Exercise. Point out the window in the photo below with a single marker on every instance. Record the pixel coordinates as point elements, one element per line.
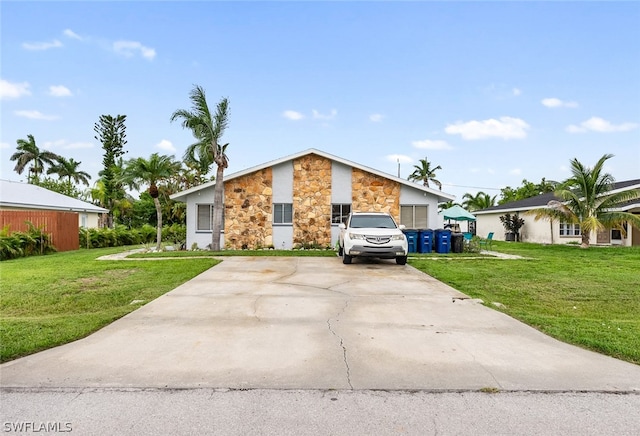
<point>83,220</point>
<point>283,213</point>
<point>569,229</point>
<point>205,217</point>
<point>339,213</point>
<point>414,216</point>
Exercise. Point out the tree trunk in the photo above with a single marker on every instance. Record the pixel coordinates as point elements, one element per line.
<point>585,240</point>
<point>218,208</point>
<point>156,202</point>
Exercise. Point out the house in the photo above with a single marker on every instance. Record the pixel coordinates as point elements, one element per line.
<point>554,232</point>
<point>60,215</point>
<point>301,199</point>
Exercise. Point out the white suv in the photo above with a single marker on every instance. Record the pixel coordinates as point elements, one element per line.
<point>372,234</point>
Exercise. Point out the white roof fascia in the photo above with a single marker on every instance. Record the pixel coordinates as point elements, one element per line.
<point>180,195</point>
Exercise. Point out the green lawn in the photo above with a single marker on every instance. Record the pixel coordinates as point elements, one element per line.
<point>51,300</point>
<point>589,298</point>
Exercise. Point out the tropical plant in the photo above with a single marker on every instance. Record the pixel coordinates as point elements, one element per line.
<point>425,173</point>
<point>208,128</point>
<point>111,132</point>
<point>29,153</point>
<point>151,172</point>
<point>512,224</point>
<point>586,199</point>
<point>527,190</point>
<point>68,168</point>
<point>479,201</point>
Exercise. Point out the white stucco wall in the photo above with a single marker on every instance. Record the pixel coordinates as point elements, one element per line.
<point>283,193</point>
<point>202,238</point>
<point>415,197</point>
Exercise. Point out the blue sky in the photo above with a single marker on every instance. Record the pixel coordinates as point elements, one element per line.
<point>492,92</point>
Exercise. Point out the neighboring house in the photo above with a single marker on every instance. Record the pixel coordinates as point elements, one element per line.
<point>553,232</point>
<point>59,214</point>
<point>301,199</point>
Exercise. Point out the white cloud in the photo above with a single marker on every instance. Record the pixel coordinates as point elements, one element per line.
<point>597,124</point>
<point>10,90</point>
<point>59,91</point>
<point>130,48</point>
<point>35,115</point>
<point>556,102</point>
<point>71,34</point>
<point>428,144</point>
<point>398,157</point>
<point>515,172</point>
<point>292,115</point>
<point>41,45</point>
<point>516,92</point>
<point>166,145</point>
<point>505,128</point>
<point>376,118</point>
<point>4,145</point>
<point>66,145</point>
<point>318,116</point>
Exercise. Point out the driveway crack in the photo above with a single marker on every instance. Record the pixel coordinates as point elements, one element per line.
<point>342,344</point>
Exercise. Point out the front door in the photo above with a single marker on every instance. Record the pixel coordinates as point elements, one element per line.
<point>604,237</point>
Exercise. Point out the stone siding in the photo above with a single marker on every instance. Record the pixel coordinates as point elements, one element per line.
<point>372,193</point>
<point>249,211</point>
<point>312,200</point>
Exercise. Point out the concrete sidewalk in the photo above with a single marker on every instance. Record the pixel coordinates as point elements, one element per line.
<point>314,323</point>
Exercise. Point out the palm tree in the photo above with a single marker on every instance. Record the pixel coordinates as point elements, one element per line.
<point>69,169</point>
<point>479,201</point>
<point>208,128</point>
<point>587,200</point>
<point>150,172</point>
<point>29,153</point>
<point>425,174</point>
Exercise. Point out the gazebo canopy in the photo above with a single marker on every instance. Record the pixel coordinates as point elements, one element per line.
<point>457,213</point>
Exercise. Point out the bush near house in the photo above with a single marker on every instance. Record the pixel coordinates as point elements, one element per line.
<point>21,244</point>
<point>120,235</point>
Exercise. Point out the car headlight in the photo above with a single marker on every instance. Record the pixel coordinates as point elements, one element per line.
<point>355,236</point>
<point>397,237</point>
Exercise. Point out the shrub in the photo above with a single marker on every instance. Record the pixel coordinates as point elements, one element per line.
<point>21,244</point>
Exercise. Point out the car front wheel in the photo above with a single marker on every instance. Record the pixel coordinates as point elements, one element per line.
<point>346,259</point>
<point>401,260</point>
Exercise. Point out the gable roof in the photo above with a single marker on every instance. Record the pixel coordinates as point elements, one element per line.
<point>28,196</point>
<point>181,196</point>
<point>542,200</point>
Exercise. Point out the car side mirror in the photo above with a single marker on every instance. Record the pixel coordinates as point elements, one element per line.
<point>342,226</point>
<point>402,227</point>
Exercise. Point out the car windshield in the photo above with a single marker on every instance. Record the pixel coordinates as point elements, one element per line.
<point>372,221</point>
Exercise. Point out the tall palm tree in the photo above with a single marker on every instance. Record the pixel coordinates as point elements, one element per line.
<point>479,201</point>
<point>29,153</point>
<point>425,174</point>
<point>587,200</point>
<point>69,169</point>
<point>208,128</point>
<point>150,172</point>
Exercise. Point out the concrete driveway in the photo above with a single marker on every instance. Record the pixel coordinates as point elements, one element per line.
<point>314,323</point>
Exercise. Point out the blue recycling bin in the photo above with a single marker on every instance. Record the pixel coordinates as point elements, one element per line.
<point>412,239</point>
<point>443,241</point>
<point>425,239</point>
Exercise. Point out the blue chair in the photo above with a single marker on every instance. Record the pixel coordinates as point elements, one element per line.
<point>486,243</point>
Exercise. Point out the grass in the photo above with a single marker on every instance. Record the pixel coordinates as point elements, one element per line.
<point>50,300</point>
<point>590,298</point>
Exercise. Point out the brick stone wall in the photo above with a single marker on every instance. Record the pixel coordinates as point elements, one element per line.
<point>372,193</point>
<point>312,200</point>
<point>249,211</point>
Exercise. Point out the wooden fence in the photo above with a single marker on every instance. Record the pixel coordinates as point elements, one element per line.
<point>63,227</point>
